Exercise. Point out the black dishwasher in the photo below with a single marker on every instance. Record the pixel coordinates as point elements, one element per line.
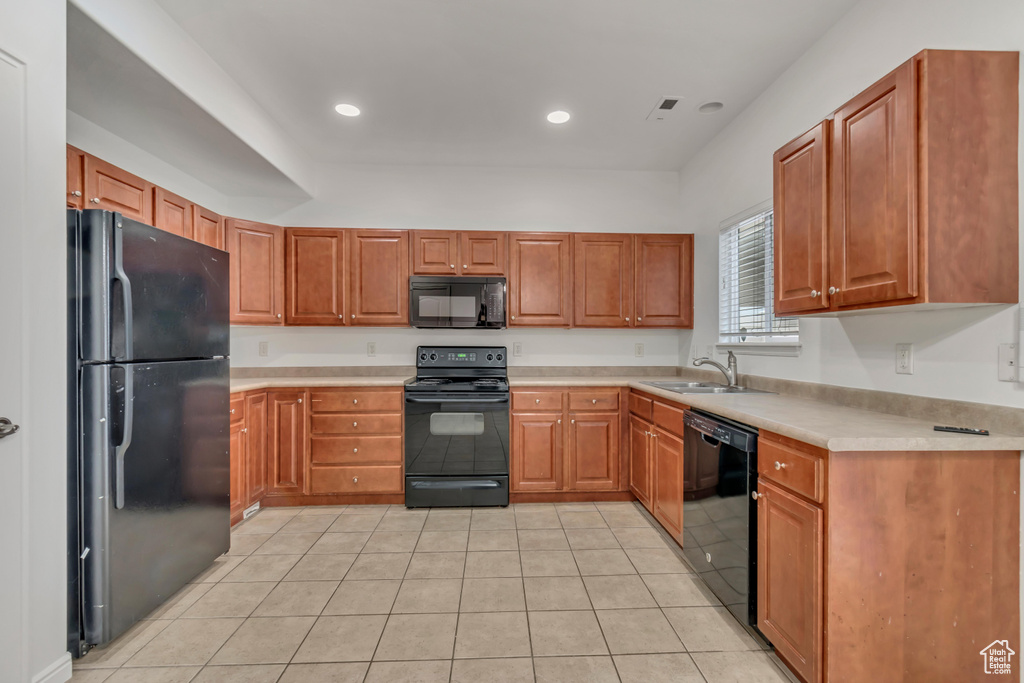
<point>720,527</point>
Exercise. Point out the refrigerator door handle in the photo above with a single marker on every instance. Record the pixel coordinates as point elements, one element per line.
<point>126,437</point>
<point>126,287</point>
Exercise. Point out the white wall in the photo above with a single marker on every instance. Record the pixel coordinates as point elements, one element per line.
<point>955,350</point>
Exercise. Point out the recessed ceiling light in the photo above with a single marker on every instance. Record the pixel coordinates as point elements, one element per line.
<point>558,116</point>
<point>710,107</point>
<point>347,110</point>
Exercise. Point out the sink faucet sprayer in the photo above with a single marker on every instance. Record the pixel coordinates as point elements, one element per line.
<point>730,372</point>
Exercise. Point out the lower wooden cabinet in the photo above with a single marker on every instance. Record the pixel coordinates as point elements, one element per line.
<point>237,449</point>
<point>256,446</point>
<point>667,487</point>
<point>286,454</point>
<point>568,440</point>
<point>790,586</point>
<point>640,459</point>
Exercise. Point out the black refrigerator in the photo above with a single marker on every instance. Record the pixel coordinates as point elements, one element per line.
<point>148,393</point>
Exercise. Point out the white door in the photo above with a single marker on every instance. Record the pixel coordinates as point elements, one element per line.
<point>12,451</point>
<point>33,343</point>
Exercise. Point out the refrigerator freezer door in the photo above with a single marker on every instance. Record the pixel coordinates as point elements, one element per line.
<point>155,493</point>
<point>147,295</point>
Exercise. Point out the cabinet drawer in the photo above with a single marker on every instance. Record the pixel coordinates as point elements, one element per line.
<point>669,418</point>
<point>536,400</point>
<point>641,406</point>
<point>356,400</point>
<point>795,470</point>
<point>388,423</point>
<point>605,399</point>
<point>356,479</point>
<point>376,450</point>
<point>237,408</point>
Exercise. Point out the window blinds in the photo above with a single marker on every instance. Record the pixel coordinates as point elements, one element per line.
<point>746,289</point>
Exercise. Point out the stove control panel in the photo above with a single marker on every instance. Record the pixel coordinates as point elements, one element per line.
<point>459,356</point>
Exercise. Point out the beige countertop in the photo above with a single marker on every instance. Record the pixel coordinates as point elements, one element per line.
<point>835,427</point>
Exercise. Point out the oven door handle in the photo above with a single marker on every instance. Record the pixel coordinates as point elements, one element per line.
<point>462,484</point>
<point>462,399</point>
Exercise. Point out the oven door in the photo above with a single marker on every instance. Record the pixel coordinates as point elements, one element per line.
<point>456,435</point>
<point>456,302</point>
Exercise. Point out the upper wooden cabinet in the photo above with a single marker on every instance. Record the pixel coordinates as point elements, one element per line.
<point>921,178</point>
<point>207,227</point>
<point>111,188</point>
<point>603,270</point>
<point>379,277</point>
<point>172,213</point>
<point>257,272</point>
<point>801,221</point>
<point>663,281</point>
<point>441,252</point>
<point>483,253</point>
<point>76,178</point>
<point>316,264</point>
<point>540,279</point>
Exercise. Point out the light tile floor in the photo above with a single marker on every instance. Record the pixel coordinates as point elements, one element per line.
<point>547,592</point>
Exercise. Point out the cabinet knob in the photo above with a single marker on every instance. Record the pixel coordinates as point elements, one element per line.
<point>355,400</point>
<point>355,424</point>
<point>833,290</point>
<point>355,450</point>
<point>279,316</point>
<point>638,318</point>
<point>232,411</point>
<point>814,293</point>
<point>464,265</point>
<point>355,480</point>
<point>245,430</point>
<point>353,316</point>
<point>513,317</point>
<point>538,400</point>
<point>76,193</point>
<point>559,422</point>
<point>452,265</point>
<point>780,465</point>
<point>572,421</point>
<point>95,200</point>
<point>341,316</point>
<point>755,495</point>
<point>300,400</point>
<point>593,400</point>
<point>627,319</point>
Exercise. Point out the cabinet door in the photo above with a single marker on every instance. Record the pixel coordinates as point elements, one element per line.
<point>594,451</point>
<point>873,221</point>
<point>256,447</point>
<point>434,252</point>
<point>603,282</point>
<point>537,452</point>
<point>640,459</point>
<point>540,281</point>
<point>257,272</point>
<point>667,491</point>
<point>315,262</point>
<point>207,227</point>
<point>483,253</point>
<point>108,187</point>
<point>801,223</point>
<point>286,449</point>
<point>663,277</point>
<point>76,179</point>
<point>379,277</point>
<point>172,213</point>
<point>237,442</point>
<point>789,578</point>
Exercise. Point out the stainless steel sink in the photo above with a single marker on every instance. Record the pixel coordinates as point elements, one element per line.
<point>703,388</point>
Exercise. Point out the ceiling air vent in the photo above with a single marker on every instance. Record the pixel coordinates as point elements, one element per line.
<point>663,109</point>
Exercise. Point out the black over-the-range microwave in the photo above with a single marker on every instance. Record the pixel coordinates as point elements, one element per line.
<point>445,302</point>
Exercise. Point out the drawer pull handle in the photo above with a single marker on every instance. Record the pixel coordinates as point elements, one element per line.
<point>593,400</point>
<point>780,465</point>
<point>355,480</point>
<point>355,450</point>
<point>355,400</point>
<point>355,424</point>
<point>538,400</point>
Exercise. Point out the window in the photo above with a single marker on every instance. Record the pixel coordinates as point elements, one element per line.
<point>746,296</point>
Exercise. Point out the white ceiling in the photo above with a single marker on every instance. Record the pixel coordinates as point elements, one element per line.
<point>469,82</point>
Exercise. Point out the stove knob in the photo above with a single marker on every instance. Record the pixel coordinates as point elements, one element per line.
<point>500,357</point>
<point>423,356</point>
<point>433,356</point>
<point>490,356</point>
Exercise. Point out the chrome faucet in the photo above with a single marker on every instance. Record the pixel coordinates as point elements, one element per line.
<point>730,372</point>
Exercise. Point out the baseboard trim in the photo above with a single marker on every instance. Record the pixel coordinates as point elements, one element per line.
<point>58,672</point>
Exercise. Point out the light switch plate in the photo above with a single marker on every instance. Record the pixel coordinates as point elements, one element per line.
<point>904,359</point>
<point>1008,363</point>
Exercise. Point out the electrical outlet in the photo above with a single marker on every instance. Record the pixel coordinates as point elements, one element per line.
<point>904,359</point>
<point>709,351</point>
<point>371,349</point>
<point>517,348</point>
<point>264,349</point>
<point>638,350</point>
<point>1008,363</point>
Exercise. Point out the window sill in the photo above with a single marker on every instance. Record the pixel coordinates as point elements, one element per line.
<point>791,349</point>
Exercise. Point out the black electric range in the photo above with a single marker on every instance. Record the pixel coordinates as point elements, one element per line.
<point>457,428</point>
